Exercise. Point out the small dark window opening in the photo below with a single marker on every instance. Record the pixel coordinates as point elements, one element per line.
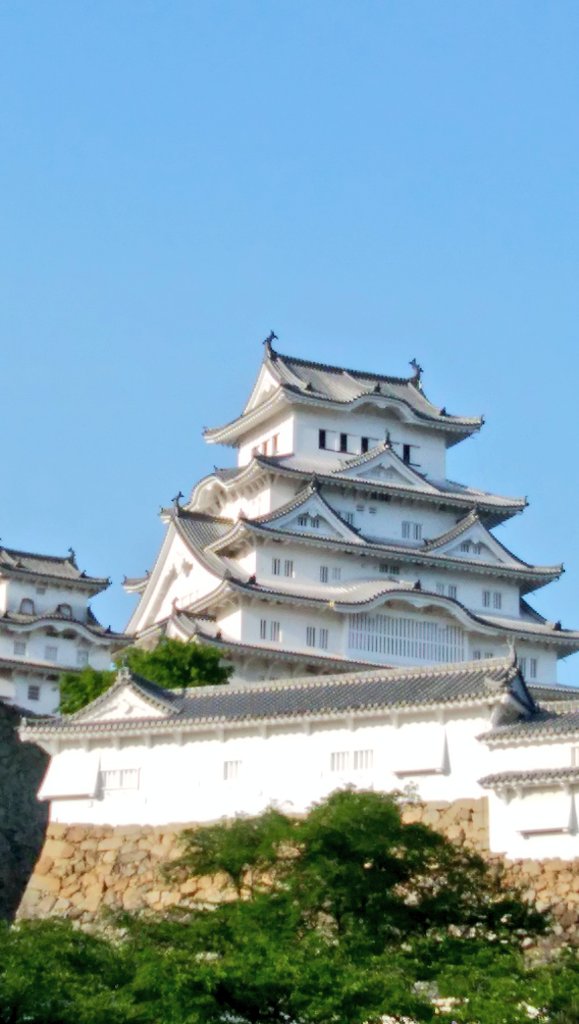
<point>406,451</point>
<point>364,445</point>
<point>343,442</point>
<point>322,438</point>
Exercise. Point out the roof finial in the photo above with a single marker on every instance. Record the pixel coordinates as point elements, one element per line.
<point>388,440</point>
<point>72,555</point>
<point>417,371</point>
<point>269,342</point>
<point>177,499</point>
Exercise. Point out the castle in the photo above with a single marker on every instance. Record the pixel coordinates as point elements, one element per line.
<point>380,633</point>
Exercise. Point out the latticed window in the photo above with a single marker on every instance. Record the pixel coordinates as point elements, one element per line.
<point>311,636</point>
<point>323,639</point>
<point>288,567</point>
<point>323,574</point>
<point>405,637</point>
<point>231,770</point>
<point>276,566</point>
<point>119,778</point>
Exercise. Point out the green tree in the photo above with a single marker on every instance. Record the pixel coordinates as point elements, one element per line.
<point>171,664</point>
<point>345,916</point>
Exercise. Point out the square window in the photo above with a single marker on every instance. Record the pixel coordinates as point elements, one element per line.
<point>50,652</point>
<point>231,770</point>
<point>19,647</point>
<point>33,692</point>
<point>302,520</point>
<point>339,761</point>
<point>363,760</point>
<point>82,658</point>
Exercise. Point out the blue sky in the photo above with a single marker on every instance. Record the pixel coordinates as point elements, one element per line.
<point>375,181</point>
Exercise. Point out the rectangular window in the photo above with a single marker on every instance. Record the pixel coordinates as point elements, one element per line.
<point>360,508</point>
<point>523,667</point>
<point>323,574</point>
<point>497,599</point>
<point>302,520</point>
<point>476,655</point>
<point>311,636</point>
<point>231,770</point>
<point>288,567</point>
<point>440,588</point>
<point>391,570</point>
<point>274,632</point>
<point>339,761</point>
<point>363,760</point>
<point>321,439</point>
<point>323,639</point>
<point>465,546</point>
<point>486,598</point>
<point>19,647</point>
<point>348,518</point>
<point>33,692</point>
<point>406,453</point>
<point>411,530</point>
<point>315,522</point>
<point>343,442</point>
<point>533,668</point>
<point>452,590</point>
<point>263,629</point>
<point>364,445</point>
<point>82,658</point>
<point>41,590</point>
<point>119,778</point>
<point>372,510</point>
<point>274,444</point>
<point>489,654</point>
<point>276,566</point>
<point>336,574</point>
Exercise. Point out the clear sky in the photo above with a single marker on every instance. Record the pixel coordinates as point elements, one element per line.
<point>373,180</point>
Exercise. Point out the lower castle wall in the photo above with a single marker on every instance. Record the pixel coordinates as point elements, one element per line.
<point>84,869</point>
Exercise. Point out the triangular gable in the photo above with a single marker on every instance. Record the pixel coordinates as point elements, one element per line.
<point>127,698</point>
<point>263,388</point>
<point>383,465</point>
<point>313,516</point>
<point>476,542</point>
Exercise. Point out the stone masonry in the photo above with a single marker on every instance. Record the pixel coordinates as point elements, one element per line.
<point>84,869</point>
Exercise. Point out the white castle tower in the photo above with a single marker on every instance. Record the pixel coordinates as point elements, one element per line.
<point>338,541</point>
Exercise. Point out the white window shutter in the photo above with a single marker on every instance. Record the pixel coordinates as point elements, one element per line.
<point>71,775</point>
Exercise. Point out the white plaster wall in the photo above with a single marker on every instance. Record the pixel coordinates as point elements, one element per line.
<point>262,436</point>
<point>46,597</point>
<point>429,455</point>
<point>536,805</point>
<point>385,522</point>
<point>261,502</point>
<point>290,766</point>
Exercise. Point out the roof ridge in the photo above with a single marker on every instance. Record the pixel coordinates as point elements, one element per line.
<point>338,369</point>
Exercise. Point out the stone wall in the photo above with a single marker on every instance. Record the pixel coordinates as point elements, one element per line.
<point>84,869</point>
<point>23,818</point>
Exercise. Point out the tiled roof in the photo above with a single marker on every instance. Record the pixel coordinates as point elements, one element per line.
<point>434,490</point>
<point>307,382</point>
<point>530,778</point>
<point>91,625</point>
<point>548,722</point>
<point>339,384</point>
<point>554,693</point>
<point>13,562</point>
<point>470,683</point>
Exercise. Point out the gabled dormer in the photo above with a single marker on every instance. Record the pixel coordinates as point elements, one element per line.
<point>310,514</point>
<point>382,465</point>
<point>471,540</point>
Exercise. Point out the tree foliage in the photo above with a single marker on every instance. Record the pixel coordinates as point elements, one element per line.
<point>345,916</point>
<point>171,664</point>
